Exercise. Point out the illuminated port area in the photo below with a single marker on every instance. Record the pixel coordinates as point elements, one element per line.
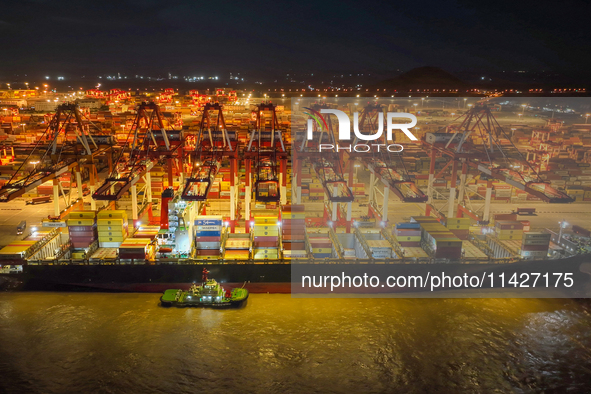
<point>114,178</point>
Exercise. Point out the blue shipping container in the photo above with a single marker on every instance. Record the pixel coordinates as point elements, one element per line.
<point>408,225</point>
<point>208,233</point>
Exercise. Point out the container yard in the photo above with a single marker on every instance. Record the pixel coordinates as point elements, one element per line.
<point>186,178</point>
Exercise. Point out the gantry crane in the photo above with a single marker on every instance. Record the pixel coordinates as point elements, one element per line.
<point>147,140</point>
<point>496,158</point>
<point>55,153</point>
<point>328,165</point>
<point>213,144</point>
<point>385,166</point>
<point>266,149</point>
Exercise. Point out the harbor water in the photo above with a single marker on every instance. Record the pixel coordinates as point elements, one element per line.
<point>127,343</point>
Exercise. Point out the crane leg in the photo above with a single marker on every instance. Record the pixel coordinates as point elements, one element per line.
<point>385,205</point>
<point>486,214</point>
<point>149,186</point>
<point>79,184</point>
<point>349,215</point>
<point>56,198</point>
<point>92,170</point>
<point>452,190</point>
<point>134,214</point>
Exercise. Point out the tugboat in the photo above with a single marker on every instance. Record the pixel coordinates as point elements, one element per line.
<point>209,294</point>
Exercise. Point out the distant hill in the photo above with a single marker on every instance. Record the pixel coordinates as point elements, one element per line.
<point>423,78</point>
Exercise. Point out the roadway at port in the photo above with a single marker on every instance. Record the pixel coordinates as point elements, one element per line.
<point>12,213</point>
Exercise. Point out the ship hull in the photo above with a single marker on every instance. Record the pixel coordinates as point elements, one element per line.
<point>256,278</point>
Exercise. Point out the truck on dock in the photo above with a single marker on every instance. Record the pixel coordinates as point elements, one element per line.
<point>38,200</point>
<point>21,227</point>
<point>525,211</point>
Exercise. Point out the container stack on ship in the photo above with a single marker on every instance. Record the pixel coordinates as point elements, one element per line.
<point>208,235</point>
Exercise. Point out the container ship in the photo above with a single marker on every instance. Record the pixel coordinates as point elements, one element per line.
<point>261,260</point>
<point>149,192</point>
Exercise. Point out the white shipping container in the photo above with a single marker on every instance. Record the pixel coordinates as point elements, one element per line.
<point>207,245</point>
<point>109,244</point>
<point>209,228</point>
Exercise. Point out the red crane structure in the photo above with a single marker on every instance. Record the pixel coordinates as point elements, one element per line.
<point>266,149</point>
<point>65,145</point>
<point>147,141</point>
<point>213,144</point>
<point>496,158</point>
<point>386,167</point>
<point>327,164</point>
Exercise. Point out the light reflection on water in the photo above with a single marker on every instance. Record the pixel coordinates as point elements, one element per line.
<point>71,342</point>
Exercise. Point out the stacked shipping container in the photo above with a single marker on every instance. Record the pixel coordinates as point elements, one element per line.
<point>137,249</point>
<point>438,238</point>
<point>508,229</point>
<point>82,227</point>
<point>293,229</point>
<point>265,235</point>
<point>112,228</point>
<point>408,234</point>
<point>320,245</point>
<point>237,247</point>
<point>535,245</point>
<point>460,227</point>
<point>208,234</point>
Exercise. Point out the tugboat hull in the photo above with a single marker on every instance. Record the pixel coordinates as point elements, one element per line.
<point>217,305</point>
<point>209,295</point>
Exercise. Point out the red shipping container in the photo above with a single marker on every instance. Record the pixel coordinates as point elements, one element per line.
<point>509,225</point>
<point>294,246</point>
<point>207,252</point>
<point>208,239</point>
<point>530,248</point>
<point>77,229</point>
<point>80,244</point>
<point>294,222</point>
<point>294,230</point>
<point>410,244</point>
<point>293,208</point>
<point>267,238</point>
<point>461,234</point>
<point>293,237</point>
<point>269,244</point>
<point>82,234</point>
<point>448,253</point>
<point>85,238</point>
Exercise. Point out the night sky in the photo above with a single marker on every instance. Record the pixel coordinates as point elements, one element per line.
<point>150,37</point>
